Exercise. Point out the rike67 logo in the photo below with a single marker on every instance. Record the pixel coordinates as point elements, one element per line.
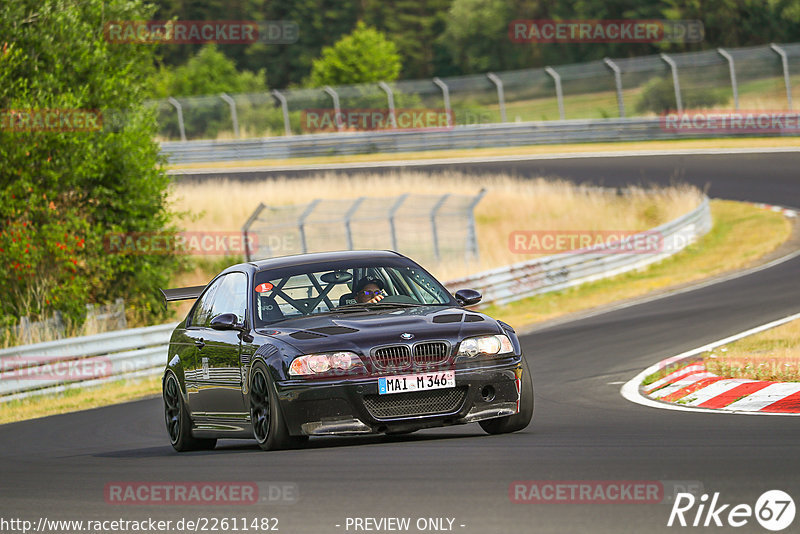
<point>774,510</point>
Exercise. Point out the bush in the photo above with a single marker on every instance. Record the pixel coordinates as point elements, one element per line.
<point>62,192</point>
<point>658,96</point>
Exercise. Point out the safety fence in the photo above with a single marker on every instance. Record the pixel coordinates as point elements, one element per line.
<point>430,228</point>
<point>757,77</point>
<point>86,361</point>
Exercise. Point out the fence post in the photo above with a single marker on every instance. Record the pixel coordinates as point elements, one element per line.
<point>337,111</point>
<point>675,82</point>
<point>559,93</point>
<point>234,117</point>
<point>786,80</point>
<point>618,82</point>
<point>122,321</point>
<point>501,97</point>
<point>285,108</point>
<point>434,213</point>
<point>179,108</point>
<point>732,69</point>
<point>392,213</point>
<point>446,97</point>
<point>246,229</point>
<point>472,235</point>
<point>301,223</point>
<point>390,100</point>
<point>347,217</point>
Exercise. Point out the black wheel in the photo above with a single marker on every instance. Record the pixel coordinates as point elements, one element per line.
<point>518,421</point>
<point>269,427</point>
<point>179,425</point>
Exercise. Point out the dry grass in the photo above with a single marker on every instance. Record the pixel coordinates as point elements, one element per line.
<point>741,235</point>
<point>678,144</point>
<point>770,355</point>
<point>74,400</point>
<point>510,204</point>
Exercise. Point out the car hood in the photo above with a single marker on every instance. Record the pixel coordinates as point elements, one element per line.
<point>363,330</point>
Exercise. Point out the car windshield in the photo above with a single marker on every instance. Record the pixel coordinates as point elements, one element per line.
<point>316,289</point>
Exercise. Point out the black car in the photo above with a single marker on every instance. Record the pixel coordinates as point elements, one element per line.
<point>353,342</point>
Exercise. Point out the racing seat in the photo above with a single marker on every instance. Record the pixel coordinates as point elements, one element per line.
<point>268,309</point>
<point>347,298</point>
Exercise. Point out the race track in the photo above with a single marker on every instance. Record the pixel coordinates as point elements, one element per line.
<point>583,429</point>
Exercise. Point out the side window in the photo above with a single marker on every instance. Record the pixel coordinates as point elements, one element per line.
<point>231,296</point>
<point>202,314</point>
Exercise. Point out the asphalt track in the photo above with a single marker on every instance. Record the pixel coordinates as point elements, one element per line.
<point>57,467</point>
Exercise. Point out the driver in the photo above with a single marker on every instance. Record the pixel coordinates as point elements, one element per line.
<point>369,291</point>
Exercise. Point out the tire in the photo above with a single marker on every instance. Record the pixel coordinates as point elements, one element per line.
<point>518,421</point>
<point>179,424</point>
<point>269,425</point>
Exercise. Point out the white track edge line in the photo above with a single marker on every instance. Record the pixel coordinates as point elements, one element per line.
<point>630,390</point>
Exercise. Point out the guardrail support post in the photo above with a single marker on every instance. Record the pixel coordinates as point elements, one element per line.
<point>347,217</point>
<point>732,69</point>
<point>179,108</point>
<point>501,98</point>
<point>446,97</point>
<point>434,212</point>
<point>234,117</point>
<point>337,111</point>
<point>246,230</point>
<point>786,80</point>
<point>287,128</point>
<point>559,93</point>
<point>392,213</point>
<point>676,84</point>
<point>618,82</point>
<point>301,223</point>
<point>390,101</point>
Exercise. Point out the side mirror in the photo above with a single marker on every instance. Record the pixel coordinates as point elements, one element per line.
<point>225,321</point>
<point>468,297</point>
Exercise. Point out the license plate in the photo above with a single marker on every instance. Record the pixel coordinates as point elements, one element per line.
<point>421,382</point>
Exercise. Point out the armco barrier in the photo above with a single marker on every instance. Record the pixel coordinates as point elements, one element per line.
<point>81,361</point>
<point>34,369</point>
<point>557,272</point>
<point>463,137</point>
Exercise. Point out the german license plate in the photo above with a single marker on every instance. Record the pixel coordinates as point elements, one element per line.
<point>420,382</point>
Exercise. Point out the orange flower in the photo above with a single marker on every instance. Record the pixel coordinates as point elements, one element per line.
<point>52,206</point>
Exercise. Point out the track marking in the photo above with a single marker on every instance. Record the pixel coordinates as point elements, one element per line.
<point>630,390</point>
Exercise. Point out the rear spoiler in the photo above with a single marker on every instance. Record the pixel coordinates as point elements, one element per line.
<point>181,293</point>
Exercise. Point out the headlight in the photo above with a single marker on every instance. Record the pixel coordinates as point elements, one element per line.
<point>327,362</point>
<point>485,346</point>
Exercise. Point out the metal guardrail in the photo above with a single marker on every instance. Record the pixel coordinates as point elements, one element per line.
<point>54,366</point>
<point>85,361</point>
<point>561,271</point>
<point>459,137</point>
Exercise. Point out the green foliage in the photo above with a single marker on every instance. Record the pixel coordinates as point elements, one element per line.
<point>364,56</point>
<point>658,96</point>
<point>210,72</point>
<point>62,192</point>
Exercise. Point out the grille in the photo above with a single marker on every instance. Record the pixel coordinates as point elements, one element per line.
<point>430,353</point>
<point>394,357</point>
<point>415,403</point>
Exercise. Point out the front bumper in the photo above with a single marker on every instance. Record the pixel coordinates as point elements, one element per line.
<point>353,406</point>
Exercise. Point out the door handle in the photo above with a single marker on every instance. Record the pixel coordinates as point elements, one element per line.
<point>200,343</point>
